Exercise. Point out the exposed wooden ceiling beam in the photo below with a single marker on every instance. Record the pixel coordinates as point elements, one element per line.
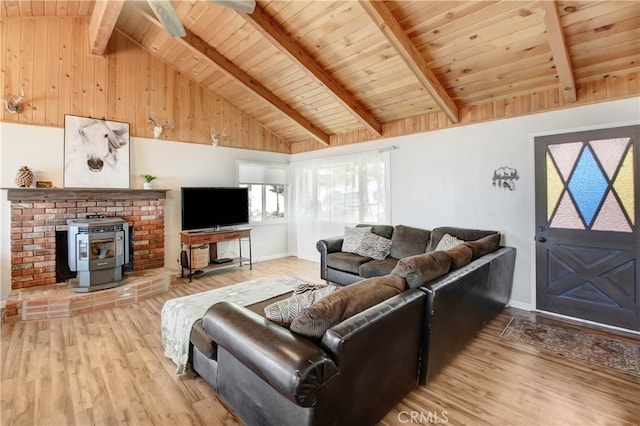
<point>273,32</point>
<point>392,30</point>
<point>196,44</point>
<point>103,20</point>
<point>248,82</point>
<point>559,50</point>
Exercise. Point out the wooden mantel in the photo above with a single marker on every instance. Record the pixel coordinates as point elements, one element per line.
<point>34,194</point>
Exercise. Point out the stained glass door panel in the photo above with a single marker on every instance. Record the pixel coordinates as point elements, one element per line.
<point>587,240</point>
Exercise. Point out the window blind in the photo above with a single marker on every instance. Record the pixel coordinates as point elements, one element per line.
<point>263,173</point>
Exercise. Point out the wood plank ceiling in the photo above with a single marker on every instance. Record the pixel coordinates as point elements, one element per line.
<point>309,70</point>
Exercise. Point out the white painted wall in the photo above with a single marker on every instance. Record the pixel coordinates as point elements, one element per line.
<point>437,178</point>
<point>176,164</point>
<point>443,178</point>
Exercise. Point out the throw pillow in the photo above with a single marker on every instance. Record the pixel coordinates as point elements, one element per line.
<point>460,255</point>
<point>422,268</point>
<point>464,234</point>
<point>344,303</point>
<point>448,242</point>
<point>284,311</point>
<point>374,246</point>
<point>485,245</point>
<point>353,238</point>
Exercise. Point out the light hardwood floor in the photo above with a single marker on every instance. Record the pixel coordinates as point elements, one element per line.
<point>108,368</point>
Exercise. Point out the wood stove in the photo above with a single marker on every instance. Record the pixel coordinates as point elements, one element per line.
<point>98,248</point>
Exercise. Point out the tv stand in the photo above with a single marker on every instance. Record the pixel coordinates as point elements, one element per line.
<point>189,239</point>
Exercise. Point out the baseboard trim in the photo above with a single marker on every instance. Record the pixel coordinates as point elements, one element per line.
<point>272,257</point>
<point>520,305</point>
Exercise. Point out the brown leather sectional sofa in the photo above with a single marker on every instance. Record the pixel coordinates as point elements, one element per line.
<point>362,366</point>
<point>359,370</point>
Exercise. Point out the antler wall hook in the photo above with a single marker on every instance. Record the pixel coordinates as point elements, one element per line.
<point>12,103</point>
<point>157,127</point>
<point>505,177</point>
<point>216,137</point>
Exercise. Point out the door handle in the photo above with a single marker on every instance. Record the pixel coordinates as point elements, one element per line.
<point>542,239</point>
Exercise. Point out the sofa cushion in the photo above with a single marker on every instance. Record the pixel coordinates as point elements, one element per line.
<point>448,242</point>
<point>374,246</point>
<point>484,245</point>
<point>344,303</point>
<point>463,234</point>
<point>353,237</point>
<point>422,268</point>
<point>348,262</point>
<point>258,307</point>
<point>284,311</point>
<point>460,255</point>
<point>409,241</point>
<point>385,231</point>
<point>377,268</point>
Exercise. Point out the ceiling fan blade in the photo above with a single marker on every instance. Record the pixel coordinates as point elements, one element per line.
<point>244,6</point>
<point>167,15</point>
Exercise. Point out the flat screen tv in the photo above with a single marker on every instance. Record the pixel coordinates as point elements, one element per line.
<point>213,207</point>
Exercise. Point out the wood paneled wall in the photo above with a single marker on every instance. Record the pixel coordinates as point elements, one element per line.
<point>609,88</point>
<point>49,57</point>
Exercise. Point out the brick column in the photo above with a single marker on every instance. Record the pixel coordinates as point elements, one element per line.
<point>147,220</point>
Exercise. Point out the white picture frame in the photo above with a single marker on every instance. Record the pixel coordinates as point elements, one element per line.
<point>96,153</point>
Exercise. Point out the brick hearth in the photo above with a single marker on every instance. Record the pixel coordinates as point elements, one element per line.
<point>36,215</point>
<point>58,301</point>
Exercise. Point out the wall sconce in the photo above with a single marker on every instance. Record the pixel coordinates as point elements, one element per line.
<point>505,177</point>
<point>216,137</point>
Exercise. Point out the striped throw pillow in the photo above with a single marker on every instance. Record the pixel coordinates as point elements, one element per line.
<point>284,311</point>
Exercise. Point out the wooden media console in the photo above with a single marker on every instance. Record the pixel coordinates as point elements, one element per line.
<point>191,239</point>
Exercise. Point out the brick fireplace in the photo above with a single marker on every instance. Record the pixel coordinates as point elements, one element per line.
<point>36,215</point>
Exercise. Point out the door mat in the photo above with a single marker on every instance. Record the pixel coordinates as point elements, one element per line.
<point>623,357</point>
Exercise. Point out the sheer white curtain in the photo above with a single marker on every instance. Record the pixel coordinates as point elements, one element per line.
<point>332,192</point>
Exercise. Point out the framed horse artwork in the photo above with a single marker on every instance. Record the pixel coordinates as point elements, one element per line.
<point>96,153</point>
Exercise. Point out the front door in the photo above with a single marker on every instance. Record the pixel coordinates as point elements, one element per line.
<point>587,233</point>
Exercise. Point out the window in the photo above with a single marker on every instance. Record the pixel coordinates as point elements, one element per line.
<point>266,202</point>
<point>349,189</point>
<point>267,185</point>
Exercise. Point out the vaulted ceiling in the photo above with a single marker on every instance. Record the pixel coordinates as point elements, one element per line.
<point>312,70</point>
